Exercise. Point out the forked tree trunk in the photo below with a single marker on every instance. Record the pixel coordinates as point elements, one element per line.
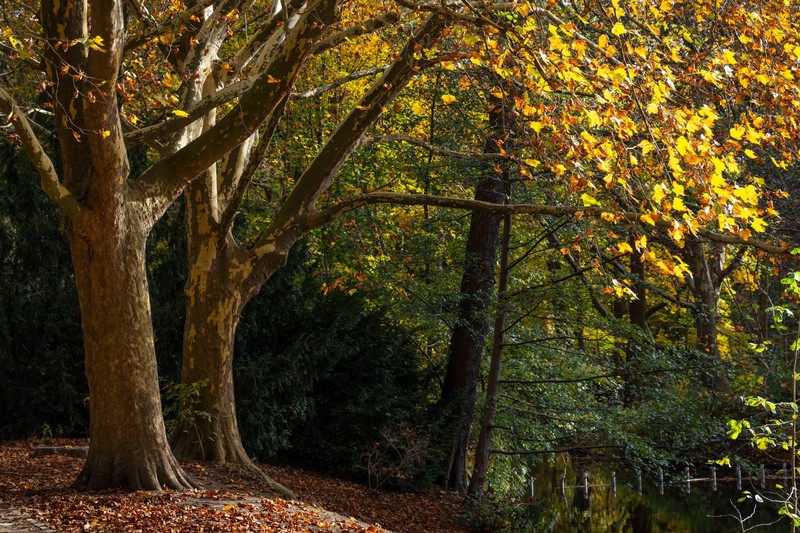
<point>128,441</point>
<point>484,447</point>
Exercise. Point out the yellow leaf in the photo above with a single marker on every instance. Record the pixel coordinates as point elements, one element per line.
<point>624,248</point>
<point>536,126</point>
<point>180,113</point>
<point>641,242</point>
<point>588,200</point>
<point>678,205</point>
<point>682,145</point>
<point>448,99</point>
<point>96,43</point>
<point>749,153</point>
<point>646,147</point>
<point>658,193</point>
<point>105,133</point>
<point>593,118</point>
<point>758,224</point>
<point>271,79</point>
<point>418,108</point>
<point>618,29</point>
<point>602,41</point>
<point>737,132</point>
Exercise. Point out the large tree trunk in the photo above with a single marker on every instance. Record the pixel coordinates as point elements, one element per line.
<point>208,430</point>
<point>217,290</point>
<point>128,446</point>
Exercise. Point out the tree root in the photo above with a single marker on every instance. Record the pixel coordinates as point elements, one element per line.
<point>251,470</point>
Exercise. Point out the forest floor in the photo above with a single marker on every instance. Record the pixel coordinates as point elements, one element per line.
<point>35,495</point>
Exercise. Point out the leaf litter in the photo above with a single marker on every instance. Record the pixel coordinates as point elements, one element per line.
<point>39,488</point>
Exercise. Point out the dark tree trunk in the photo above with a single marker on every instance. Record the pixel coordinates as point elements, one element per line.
<point>460,387</point>
<point>708,274</point>
<point>483,450</point>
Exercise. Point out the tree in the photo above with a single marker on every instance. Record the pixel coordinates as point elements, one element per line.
<point>107,216</point>
<point>207,81</point>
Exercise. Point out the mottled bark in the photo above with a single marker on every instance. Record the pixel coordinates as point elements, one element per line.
<point>128,443</point>
<point>217,290</point>
<point>224,277</point>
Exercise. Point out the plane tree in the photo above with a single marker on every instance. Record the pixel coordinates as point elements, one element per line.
<point>205,86</point>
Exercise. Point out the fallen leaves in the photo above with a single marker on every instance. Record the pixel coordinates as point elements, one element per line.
<point>40,488</point>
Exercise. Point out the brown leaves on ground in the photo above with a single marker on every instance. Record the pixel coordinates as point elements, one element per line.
<point>40,488</point>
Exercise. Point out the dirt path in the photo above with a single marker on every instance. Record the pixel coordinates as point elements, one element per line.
<point>12,520</point>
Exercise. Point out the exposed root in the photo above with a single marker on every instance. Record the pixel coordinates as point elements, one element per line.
<point>250,469</point>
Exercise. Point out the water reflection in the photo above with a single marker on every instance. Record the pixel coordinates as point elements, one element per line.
<point>702,511</point>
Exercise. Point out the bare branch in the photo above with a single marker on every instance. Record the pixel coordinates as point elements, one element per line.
<point>323,217</point>
<point>311,93</point>
<point>436,150</point>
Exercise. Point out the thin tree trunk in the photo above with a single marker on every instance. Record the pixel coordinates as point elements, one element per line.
<point>707,276</point>
<point>460,387</point>
<point>478,480</point>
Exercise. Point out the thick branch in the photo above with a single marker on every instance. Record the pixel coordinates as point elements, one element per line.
<point>165,179</point>
<point>356,30</point>
<point>320,172</point>
<point>197,111</point>
<point>49,177</point>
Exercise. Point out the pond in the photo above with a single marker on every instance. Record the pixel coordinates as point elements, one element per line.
<point>702,511</point>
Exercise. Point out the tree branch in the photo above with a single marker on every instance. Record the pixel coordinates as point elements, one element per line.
<point>329,214</point>
<point>436,150</point>
<point>49,177</point>
<point>197,111</point>
<point>311,93</point>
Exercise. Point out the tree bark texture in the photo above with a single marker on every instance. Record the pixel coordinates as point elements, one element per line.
<point>214,300</point>
<point>707,266</point>
<point>107,222</point>
<point>128,446</point>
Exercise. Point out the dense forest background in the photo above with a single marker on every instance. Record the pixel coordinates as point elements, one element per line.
<point>596,333</point>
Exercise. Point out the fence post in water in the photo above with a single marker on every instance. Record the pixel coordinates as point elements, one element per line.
<point>688,479</point>
<point>763,480</point>
<point>531,494</point>
<point>614,484</point>
<point>586,485</point>
<point>714,478</point>
<point>660,482</point>
<point>738,477</point>
<point>639,481</point>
